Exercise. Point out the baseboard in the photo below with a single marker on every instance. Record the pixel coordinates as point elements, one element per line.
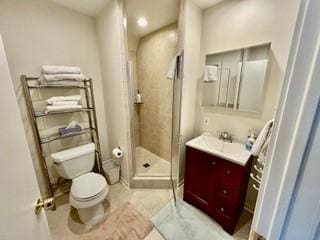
<point>249,208</point>
<point>124,183</point>
<point>255,236</point>
<point>181,184</point>
<point>150,183</point>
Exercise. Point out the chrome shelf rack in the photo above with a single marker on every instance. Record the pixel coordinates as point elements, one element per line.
<point>90,109</point>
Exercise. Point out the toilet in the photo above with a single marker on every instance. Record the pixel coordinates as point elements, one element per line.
<point>88,189</point>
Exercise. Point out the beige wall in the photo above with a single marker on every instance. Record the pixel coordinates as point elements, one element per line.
<point>132,55</point>
<point>234,24</point>
<point>192,42</point>
<point>113,66</point>
<point>37,32</point>
<point>154,56</point>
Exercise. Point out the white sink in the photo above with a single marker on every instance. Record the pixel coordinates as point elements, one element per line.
<point>233,152</point>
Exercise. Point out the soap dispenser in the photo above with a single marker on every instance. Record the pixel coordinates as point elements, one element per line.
<point>251,139</point>
<point>138,97</point>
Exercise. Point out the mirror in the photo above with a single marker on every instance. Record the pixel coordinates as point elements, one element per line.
<point>236,79</point>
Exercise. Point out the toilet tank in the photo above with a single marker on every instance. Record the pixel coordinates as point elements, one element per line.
<point>74,162</point>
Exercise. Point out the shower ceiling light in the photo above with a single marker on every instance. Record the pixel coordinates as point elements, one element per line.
<point>142,22</point>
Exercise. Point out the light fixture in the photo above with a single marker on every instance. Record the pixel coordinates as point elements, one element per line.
<point>142,22</point>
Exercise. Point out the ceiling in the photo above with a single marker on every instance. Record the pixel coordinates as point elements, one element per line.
<point>87,7</point>
<point>157,13</point>
<point>206,3</point>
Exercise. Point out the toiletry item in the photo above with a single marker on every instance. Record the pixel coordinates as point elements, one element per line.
<point>138,97</point>
<point>72,127</point>
<point>64,131</point>
<point>117,152</point>
<point>251,140</point>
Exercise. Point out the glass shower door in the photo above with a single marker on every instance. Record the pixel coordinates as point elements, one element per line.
<point>176,117</point>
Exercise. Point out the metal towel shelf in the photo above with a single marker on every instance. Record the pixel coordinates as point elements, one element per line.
<point>90,109</point>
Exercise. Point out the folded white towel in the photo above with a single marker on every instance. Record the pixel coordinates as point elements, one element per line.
<point>60,82</point>
<point>172,72</point>
<point>210,73</point>
<point>64,98</point>
<point>62,108</point>
<point>263,137</point>
<point>65,103</point>
<point>63,76</point>
<point>53,69</point>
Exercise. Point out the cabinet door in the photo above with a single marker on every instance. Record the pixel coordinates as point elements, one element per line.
<point>199,179</point>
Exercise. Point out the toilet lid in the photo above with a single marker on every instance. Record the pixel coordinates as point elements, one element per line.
<point>88,185</point>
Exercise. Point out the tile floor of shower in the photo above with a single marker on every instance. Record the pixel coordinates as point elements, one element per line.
<point>157,166</point>
<point>147,202</point>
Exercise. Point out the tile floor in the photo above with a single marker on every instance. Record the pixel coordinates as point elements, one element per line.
<point>158,166</point>
<point>65,226</point>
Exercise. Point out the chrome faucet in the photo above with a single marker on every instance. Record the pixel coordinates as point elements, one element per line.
<point>225,136</point>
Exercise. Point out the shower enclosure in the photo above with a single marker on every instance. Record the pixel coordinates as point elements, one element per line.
<point>154,99</point>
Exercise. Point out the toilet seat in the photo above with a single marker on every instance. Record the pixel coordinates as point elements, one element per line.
<point>87,190</point>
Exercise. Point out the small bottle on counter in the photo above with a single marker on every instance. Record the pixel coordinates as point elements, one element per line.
<point>251,140</point>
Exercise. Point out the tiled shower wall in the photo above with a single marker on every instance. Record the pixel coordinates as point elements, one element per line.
<point>154,56</point>
<point>133,59</point>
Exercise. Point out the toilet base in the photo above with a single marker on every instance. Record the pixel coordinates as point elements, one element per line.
<point>91,215</point>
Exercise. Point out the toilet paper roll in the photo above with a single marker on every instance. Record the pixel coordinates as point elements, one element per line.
<point>117,152</point>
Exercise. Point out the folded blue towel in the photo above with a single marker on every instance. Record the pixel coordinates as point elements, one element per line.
<point>65,131</point>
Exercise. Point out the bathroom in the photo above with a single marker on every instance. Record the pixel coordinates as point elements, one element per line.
<point>170,119</point>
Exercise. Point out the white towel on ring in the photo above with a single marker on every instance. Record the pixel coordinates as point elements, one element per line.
<point>64,98</point>
<point>55,69</point>
<point>262,138</point>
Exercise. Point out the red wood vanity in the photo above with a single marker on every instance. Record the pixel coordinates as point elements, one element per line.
<point>216,186</point>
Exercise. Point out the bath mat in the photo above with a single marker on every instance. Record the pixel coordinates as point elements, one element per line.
<point>125,223</point>
<point>185,222</point>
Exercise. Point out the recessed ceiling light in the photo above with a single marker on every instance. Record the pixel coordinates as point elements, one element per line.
<point>142,22</point>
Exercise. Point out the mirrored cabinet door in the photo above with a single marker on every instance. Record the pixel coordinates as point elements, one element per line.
<point>236,79</point>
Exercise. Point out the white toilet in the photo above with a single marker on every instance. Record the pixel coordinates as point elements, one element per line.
<point>88,189</point>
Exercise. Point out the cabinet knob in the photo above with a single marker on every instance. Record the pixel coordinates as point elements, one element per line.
<point>225,191</point>
<point>213,162</point>
<point>228,172</point>
<point>222,209</point>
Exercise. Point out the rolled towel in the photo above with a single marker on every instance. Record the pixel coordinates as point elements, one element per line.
<point>54,69</point>
<point>64,76</point>
<point>65,103</point>
<point>64,98</point>
<point>62,108</point>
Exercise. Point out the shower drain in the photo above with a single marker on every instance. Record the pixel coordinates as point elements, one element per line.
<point>146,165</point>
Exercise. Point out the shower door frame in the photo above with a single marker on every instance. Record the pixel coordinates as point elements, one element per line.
<point>175,135</point>
<point>176,124</point>
<point>175,130</point>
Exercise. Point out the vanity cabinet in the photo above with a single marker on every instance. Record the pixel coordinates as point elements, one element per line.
<point>216,186</point>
